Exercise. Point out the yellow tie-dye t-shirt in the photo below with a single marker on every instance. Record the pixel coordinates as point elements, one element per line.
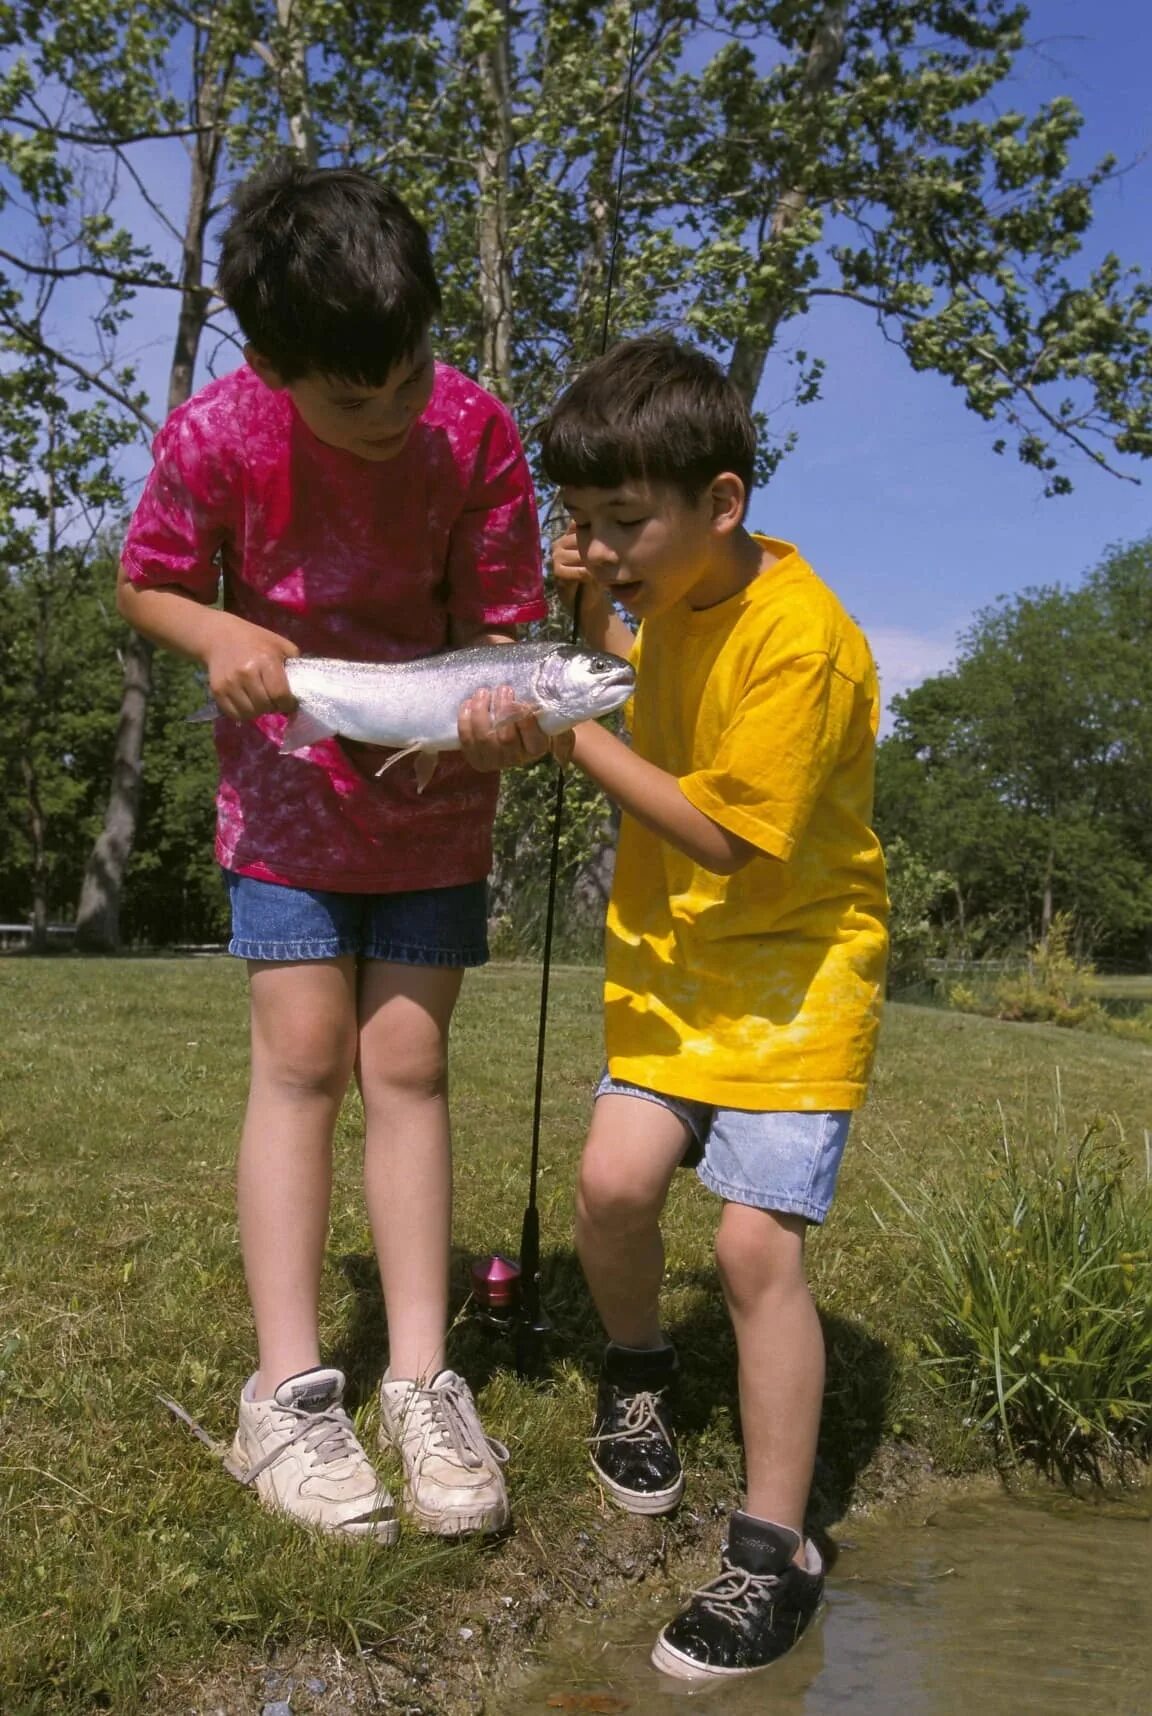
<point>759,990</point>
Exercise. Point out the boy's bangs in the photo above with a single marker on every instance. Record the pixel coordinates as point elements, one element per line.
<point>579,454</point>
<point>363,353</point>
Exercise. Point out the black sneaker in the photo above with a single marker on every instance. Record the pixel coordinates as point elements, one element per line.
<point>633,1444</point>
<point>752,1614</point>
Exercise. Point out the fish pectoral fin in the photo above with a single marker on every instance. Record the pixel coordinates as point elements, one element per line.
<point>416,750</point>
<point>304,729</point>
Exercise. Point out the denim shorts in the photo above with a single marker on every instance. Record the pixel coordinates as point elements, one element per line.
<point>780,1160</point>
<point>425,926</point>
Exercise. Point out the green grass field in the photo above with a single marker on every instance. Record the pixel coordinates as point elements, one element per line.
<point>134,1568</point>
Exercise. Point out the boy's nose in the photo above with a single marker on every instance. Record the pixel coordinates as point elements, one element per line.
<point>599,560</point>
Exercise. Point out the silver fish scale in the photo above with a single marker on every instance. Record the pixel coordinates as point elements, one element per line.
<point>416,703</point>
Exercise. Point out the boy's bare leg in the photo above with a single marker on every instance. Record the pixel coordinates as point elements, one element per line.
<point>303,1046</point>
<point>633,1149</point>
<point>760,1254</point>
<point>402,1071</point>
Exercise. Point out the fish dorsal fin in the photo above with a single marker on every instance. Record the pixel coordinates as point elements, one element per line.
<point>304,729</point>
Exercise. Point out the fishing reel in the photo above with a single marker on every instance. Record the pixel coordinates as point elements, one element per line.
<point>506,1297</point>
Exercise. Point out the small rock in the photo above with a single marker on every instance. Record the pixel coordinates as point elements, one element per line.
<point>316,1686</point>
<point>279,1707</point>
<point>465,1633</point>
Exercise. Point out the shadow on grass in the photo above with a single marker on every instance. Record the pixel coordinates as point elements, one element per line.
<point>860,1375</point>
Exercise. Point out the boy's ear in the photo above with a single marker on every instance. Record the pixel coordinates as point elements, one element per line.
<point>267,372</point>
<point>729,498</point>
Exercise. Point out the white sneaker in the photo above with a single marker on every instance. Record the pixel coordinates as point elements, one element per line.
<point>453,1481</point>
<point>301,1454</point>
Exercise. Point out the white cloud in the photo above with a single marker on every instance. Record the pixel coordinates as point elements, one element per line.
<point>903,659</point>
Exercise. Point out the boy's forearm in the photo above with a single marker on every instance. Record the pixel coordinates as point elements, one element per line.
<point>172,619</point>
<point>654,798</point>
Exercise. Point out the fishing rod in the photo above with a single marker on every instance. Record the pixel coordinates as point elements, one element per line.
<point>506,1292</point>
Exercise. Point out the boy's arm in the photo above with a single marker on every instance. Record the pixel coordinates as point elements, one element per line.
<point>245,663</point>
<point>654,798</point>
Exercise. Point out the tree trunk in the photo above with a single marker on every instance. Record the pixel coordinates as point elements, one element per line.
<point>1046,898</point>
<point>39,876</point>
<point>822,66</point>
<point>98,913</point>
<point>492,170</point>
<point>293,81</point>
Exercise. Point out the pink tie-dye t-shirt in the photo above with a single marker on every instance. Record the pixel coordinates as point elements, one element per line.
<point>361,560</point>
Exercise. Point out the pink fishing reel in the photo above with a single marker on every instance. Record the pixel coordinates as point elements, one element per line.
<point>496,1287</point>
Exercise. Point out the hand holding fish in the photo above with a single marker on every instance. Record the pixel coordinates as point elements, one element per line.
<point>246,670</point>
<point>498,733</point>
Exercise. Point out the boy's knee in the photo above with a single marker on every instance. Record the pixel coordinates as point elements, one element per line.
<point>608,1196</point>
<point>305,1062</point>
<point>410,1078</point>
<point>759,1252</point>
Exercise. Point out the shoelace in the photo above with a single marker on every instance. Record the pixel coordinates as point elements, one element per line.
<point>452,1422</point>
<point>327,1435</point>
<point>735,1589</point>
<point>640,1414</point>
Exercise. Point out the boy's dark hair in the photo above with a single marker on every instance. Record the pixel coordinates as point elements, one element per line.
<point>327,273</point>
<point>649,410</point>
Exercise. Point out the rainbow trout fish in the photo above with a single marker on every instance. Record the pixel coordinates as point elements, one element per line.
<point>412,706</point>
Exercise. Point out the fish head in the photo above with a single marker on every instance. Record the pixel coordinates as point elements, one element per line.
<point>574,684</point>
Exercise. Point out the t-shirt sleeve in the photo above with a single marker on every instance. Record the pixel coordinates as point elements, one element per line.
<point>183,516</point>
<point>495,575</point>
<point>776,754</point>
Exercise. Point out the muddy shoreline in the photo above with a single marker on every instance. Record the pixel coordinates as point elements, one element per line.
<point>454,1662</point>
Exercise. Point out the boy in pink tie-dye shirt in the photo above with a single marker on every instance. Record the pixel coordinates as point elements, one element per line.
<point>350,497</point>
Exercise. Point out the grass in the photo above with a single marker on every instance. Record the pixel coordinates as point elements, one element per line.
<point>132,1564</point>
<point>1038,1269</point>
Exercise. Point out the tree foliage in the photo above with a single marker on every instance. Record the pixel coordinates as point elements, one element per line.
<point>778,153</point>
<point>1026,770</point>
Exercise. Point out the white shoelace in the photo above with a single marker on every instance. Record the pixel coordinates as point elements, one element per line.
<point>735,1589</point>
<point>641,1414</point>
<point>448,1416</point>
<point>327,1435</point>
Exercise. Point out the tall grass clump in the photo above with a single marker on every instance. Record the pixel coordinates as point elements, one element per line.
<point>1036,1279</point>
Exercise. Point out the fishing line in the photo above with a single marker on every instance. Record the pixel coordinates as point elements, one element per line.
<point>532,1315</point>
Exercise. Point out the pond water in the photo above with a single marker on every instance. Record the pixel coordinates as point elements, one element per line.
<point>991,1607</point>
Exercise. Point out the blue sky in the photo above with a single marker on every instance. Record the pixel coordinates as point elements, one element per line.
<point>894,492</point>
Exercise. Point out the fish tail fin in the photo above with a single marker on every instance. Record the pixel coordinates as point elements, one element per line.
<point>206,712</point>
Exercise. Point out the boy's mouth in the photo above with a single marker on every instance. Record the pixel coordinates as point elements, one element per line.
<point>386,443</point>
<point>624,589</point>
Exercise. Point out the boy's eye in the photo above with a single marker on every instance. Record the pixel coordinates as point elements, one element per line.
<point>630,523</point>
<point>414,380</point>
<point>351,405</point>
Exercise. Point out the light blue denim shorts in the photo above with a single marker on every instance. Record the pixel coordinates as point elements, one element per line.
<point>423,926</point>
<point>780,1160</point>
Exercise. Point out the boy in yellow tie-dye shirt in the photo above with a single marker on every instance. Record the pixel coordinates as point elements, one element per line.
<point>745,949</point>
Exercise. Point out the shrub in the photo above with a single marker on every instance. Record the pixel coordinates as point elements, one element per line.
<point>1054,987</point>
